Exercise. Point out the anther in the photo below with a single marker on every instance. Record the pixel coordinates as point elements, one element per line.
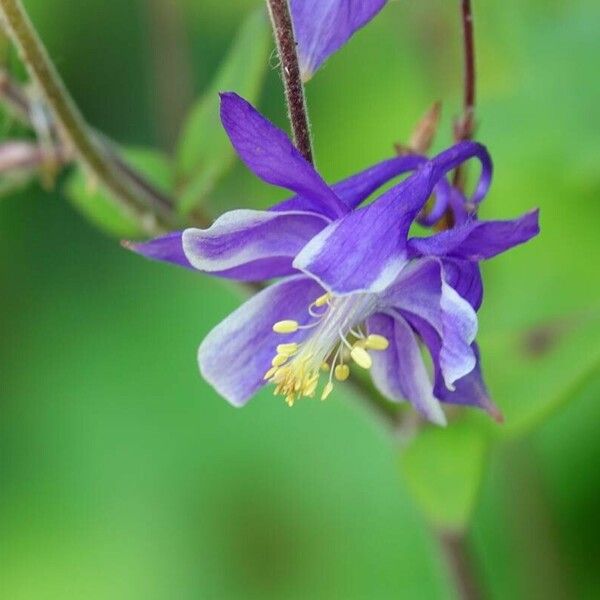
<point>322,300</point>
<point>324,367</point>
<point>279,359</point>
<point>287,349</point>
<point>271,372</point>
<point>361,357</point>
<point>286,326</point>
<point>376,342</point>
<point>342,372</point>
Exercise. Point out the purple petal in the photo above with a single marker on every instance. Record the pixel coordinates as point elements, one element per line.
<point>465,277</point>
<point>469,390</point>
<point>478,240</point>
<point>366,250</point>
<point>236,354</point>
<point>399,371</point>
<point>323,26</point>
<point>422,290</point>
<point>353,190</point>
<point>167,248</point>
<point>268,152</point>
<point>251,245</point>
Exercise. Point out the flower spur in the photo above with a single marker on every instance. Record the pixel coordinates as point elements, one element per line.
<point>354,289</point>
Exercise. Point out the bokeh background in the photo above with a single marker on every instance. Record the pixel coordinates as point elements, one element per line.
<point>124,476</point>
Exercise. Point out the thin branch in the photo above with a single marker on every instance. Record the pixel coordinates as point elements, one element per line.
<point>465,125</point>
<point>18,155</point>
<point>14,98</point>
<point>460,564</point>
<point>283,31</point>
<point>71,124</point>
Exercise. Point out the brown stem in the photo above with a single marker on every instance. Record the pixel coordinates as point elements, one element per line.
<point>465,126</point>
<point>468,122</point>
<point>283,31</point>
<point>460,564</point>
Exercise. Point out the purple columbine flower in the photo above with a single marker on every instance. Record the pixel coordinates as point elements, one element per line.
<point>354,290</point>
<point>323,26</point>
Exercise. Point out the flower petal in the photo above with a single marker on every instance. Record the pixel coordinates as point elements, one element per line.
<point>167,248</point>
<point>399,371</point>
<point>366,250</point>
<point>422,290</point>
<point>251,244</point>
<point>323,26</point>
<point>465,277</point>
<point>353,190</point>
<point>478,240</point>
<point>235,355</point>
<point>268,152</point>
<point>470,390</point>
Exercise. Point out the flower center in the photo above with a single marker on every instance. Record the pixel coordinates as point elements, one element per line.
<point>338,338</point>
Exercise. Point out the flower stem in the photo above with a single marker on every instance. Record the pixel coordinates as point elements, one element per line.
<point>460,563</point>
<point>71,124</point>
<point>283,31</point>
<point>465,126</point>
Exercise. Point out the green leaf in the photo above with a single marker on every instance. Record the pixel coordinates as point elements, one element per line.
<point>443,469</point>
<point>205,153</point>
<point>538,371</point>
<point>96,204</point>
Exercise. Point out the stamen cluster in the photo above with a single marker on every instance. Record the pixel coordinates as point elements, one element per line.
<point>296,367</point>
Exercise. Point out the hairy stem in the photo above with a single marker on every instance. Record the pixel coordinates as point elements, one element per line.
<point>290,71</point>
<point>71,124</point>
<point>465,126</point>
<point>460,564</point>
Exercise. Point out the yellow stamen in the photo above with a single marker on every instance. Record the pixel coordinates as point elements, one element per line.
<point>376,342</point>
<point>287,349</point>
<point>271,372</point>
<point>324,367</point>
<point>286,326</point>
<point>361,357</point>
<point>279,359</point>
<point>327,390</point>
<point>342,372</point>
<point>322,300</point>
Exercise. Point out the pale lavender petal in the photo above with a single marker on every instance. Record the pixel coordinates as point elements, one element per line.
<point>399,371</point>
<point>469,390</point>
<point>268,152</point>
<point>236,354</point>
<point>251,244</point>
<point>167,248</point>
<point>366,250</point>
<point>323,26</point>
<point>421,289</point>
<point>478,240</point>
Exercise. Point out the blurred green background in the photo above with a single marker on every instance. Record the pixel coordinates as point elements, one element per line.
<point>123,475</point>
